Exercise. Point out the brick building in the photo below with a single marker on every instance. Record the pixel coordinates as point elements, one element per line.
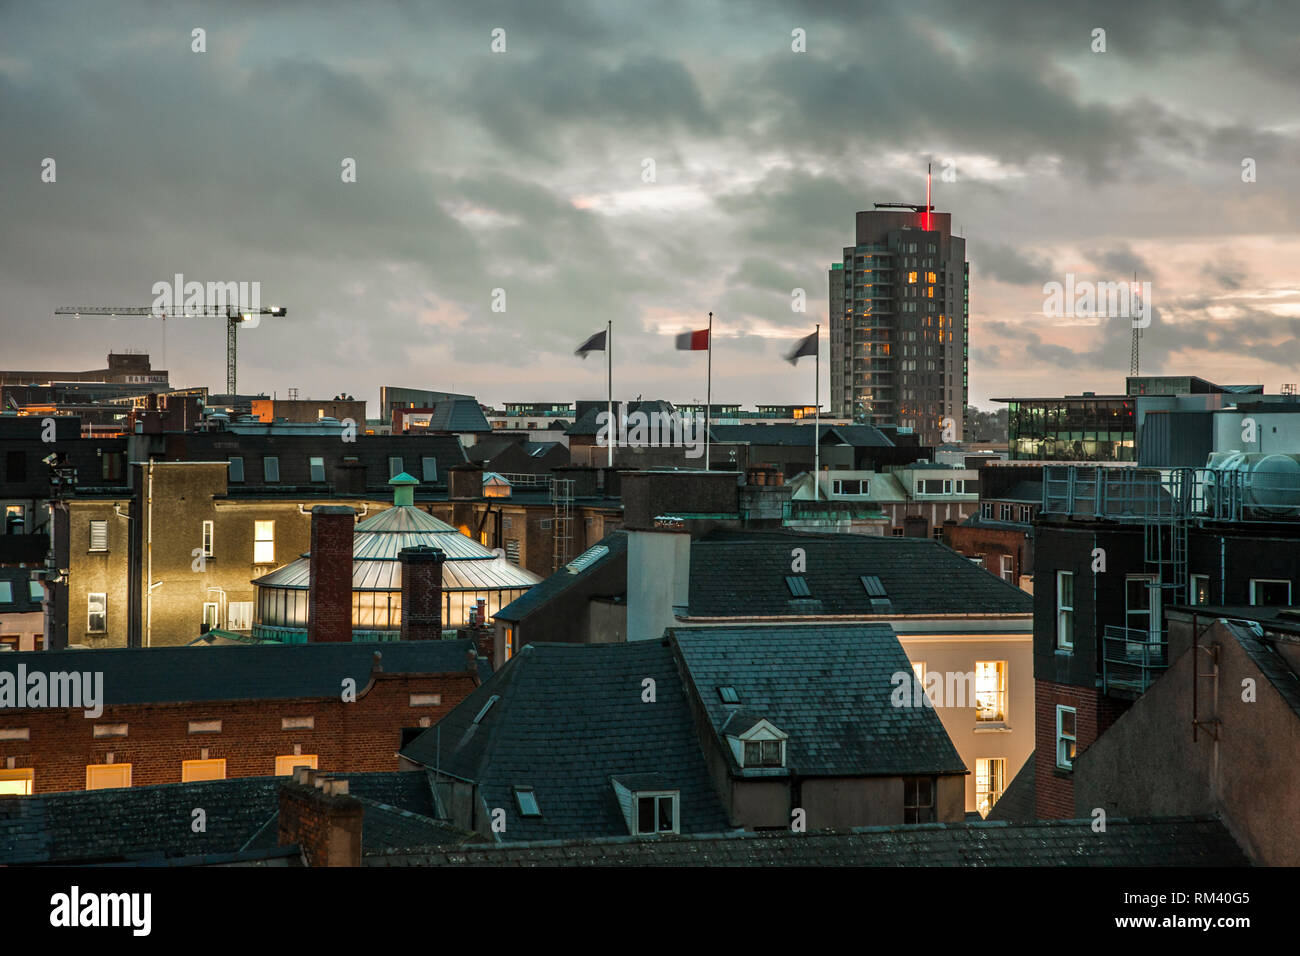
<point>179,714</point>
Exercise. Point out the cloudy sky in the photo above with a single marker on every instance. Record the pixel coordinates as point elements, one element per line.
<point>525,171</point>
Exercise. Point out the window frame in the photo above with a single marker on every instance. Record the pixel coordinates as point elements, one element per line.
<point>258,526</point>
<point>271,463</point>
<point>657,795</point>
<point>999,693</point>
<point>316,463</point>
<point>103,612</point>
<point>1064,642</point>
<point>1253,595</point>
<point>102,525</point>
<point>208,538</point>
<point>1062,762</point>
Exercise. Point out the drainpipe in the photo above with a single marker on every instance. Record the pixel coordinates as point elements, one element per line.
<point>1223,571</point>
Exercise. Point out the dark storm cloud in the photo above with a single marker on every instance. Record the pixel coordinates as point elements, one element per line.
<point>1008,264</point>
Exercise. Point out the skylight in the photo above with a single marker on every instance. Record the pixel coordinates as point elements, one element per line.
<point>797,585</point>
<point>527,800</point>
<point>587,559</point>
<point>873,585</point>
<point>728,695</point>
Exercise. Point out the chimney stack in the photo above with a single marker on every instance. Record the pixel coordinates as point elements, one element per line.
<point>421,593</point>
<point>319,815</point>
<point>329,601</point>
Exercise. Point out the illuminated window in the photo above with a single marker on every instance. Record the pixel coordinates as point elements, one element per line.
<point>1066,741</point>
<point>17,782</point>
<point>1200,589</point>
<point>264,542</point>
<point>96,613</point>
<point>990,782</point>
<point>208,533</point>
<point>991,690</point>
<point>911,277</point>
<point>203,770</point>
<point>284,766</point>
<point>510,642</point>
<point>211,614</point>
<point>108,776</point>
<point>239,616</point>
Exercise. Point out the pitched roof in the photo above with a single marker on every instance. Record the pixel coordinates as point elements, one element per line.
<point>152,675</point>
<point>458,415</point>
<point>152,822</point>
<point>743,574</point>
<point>563,719</point>
<point>829,688</point>
<point>539,595</point>
<point>1017,803</point>
<point>1172,841</point>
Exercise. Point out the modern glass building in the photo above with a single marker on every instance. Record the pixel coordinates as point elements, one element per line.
<point>1073,428</point>
<point>471,573</point>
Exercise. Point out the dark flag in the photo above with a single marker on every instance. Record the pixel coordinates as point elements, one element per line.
<point>594,344</point>
<point>806,346</point>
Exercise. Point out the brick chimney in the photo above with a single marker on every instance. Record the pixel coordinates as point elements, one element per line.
<point>421,593</point>
<point>479,631</point>
<point>318,815</point>
<point>329,602</point>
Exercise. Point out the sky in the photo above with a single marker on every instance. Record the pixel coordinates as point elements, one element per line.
<point>645,164</point>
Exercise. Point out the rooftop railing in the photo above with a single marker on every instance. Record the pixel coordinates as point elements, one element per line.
<point>1132,659</point>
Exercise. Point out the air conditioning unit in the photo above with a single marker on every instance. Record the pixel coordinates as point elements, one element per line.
<point>1265,484</point>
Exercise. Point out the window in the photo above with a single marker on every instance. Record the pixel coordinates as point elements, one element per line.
<point>317,469</point>
<point>205,726</point>
<point>896,532</point>
<point>239,616</point>
<point>214,769</point>
<point>728,694</point>
<point>35,590</point>
<point>1065,610</point>
<point>284,766</point>
<point>395,467</point>
<point>918,799</point>
<point>208,532</point>
<point>107,776</point>
<point>6,592</point>
<point>1066,740</point>
<point>17,782</point>
<point>1026,513</point>
<point>990,782</point>
<point>96,613</point>
<point>763,753</point>
<point>297,723</point>
<point>263,542</point>
<point>991,690</point>
<point>236,473</point>
<point>110,730</point>
<point>271,469</point>
<point>797,585</point>
<point>986,509</point>
<point>1141,613</point>
<point>1005,512</point>
<point>1270,592</point>
<point>211,615</point>
<point>99,536</point>
<point>1008,568</point>
<point>1199,589</point>
<point>425,700</point>
<point>850,486</point>
<point>656,813</point>
<point>430,466</point>
<point>527,800</point>
<point>510,641</point>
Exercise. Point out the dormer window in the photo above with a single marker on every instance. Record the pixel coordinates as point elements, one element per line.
<point>656,813</point>
<point>649,802</point>
<point>764,753</point>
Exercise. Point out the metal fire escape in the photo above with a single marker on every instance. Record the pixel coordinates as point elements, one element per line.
<point>562,522</point>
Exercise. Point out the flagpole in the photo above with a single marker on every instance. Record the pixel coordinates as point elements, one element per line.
<point>817,428</point>
<point>708,396</point>
<point>609,358</point>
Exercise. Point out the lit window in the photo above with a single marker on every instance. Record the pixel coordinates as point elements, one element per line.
<point>990,782</point>
<point>203,770</point>
<point>1065,610</point>
<point>211,615</point>
<point>271,469</point>
<point>1200,589</point>
<point>208,533</point>
<point>239,616</point>
<point>17,782</point>
<point>263,542</point>
<point>656,813</point>
<point>99,536</point>
<point>991,690</point>
<point>285,766</point>
<point>527,800</point>
<point>317,469</point>
<point>108,776</point>
<point>1066,740</point>
<point>96,613</point>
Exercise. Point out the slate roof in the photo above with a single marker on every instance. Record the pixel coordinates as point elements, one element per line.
<point>567,718</point>
<point>1271,664</point>
<point>539,595</point>
<point>458,415</point>
<point>1171,841</point>
<point>148,823</point>
<point>587,423</point>
<point>829,688</point>
<point>743,574</point>
<point>151,675</point>
<point>800,435</point>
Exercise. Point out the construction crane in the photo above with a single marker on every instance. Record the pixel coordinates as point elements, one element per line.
<point>234,316</point>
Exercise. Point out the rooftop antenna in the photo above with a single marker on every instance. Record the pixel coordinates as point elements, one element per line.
<point>928,207</point>
<point>1135,358</point>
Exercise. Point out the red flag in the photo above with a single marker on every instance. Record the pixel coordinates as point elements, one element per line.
<point>693,341</point>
